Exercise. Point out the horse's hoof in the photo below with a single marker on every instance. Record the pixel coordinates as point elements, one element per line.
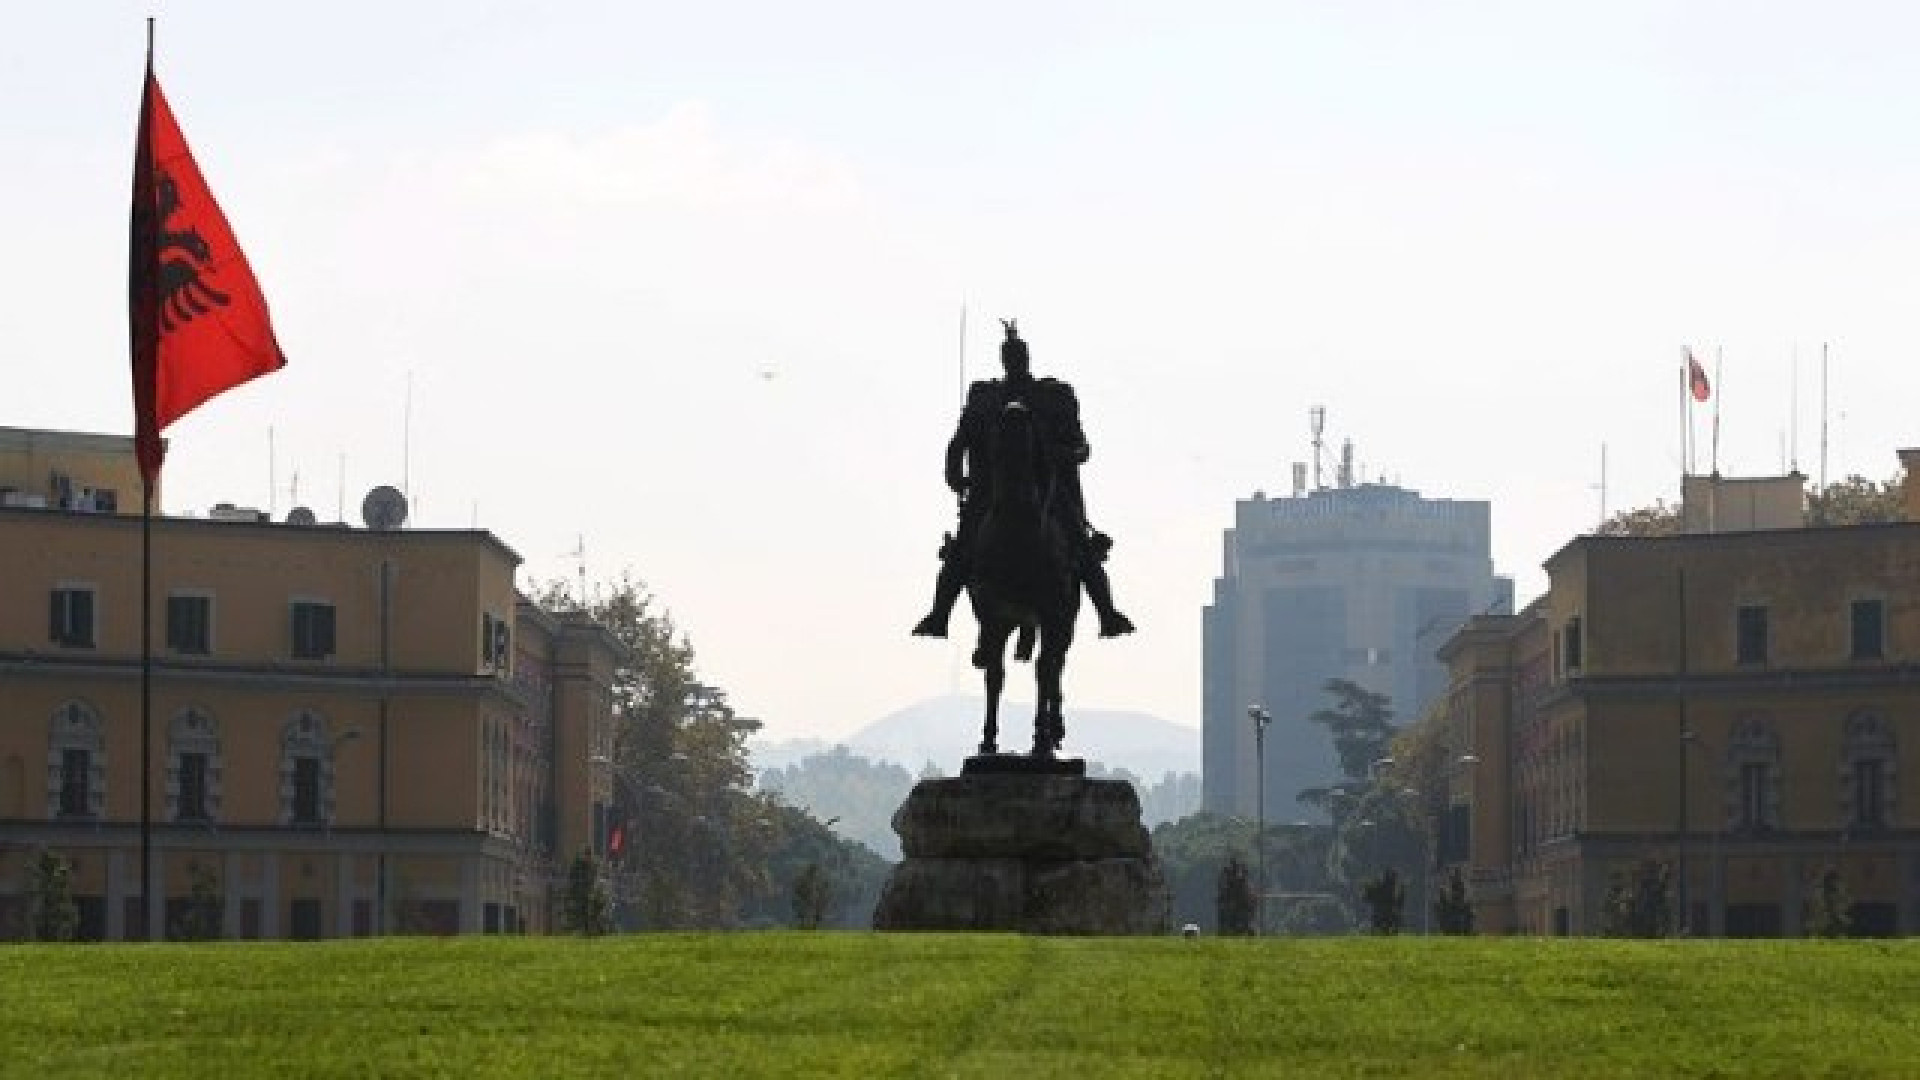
<point>988,749</point>
<point>1043,751</point>
<point>1115,624</point>
<point>931,626</point>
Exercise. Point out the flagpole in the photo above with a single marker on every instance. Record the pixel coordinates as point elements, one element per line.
<point>1686,387</point>
<point>146,652</point>
<point>1718,358</point>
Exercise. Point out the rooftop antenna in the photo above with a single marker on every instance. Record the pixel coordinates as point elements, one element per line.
<point>1346,463</point>
<point>1823,416</point>
<point>1319,423</point>
<point>579,553</point>
<point>406,441</point>
<point>1793,412</point>
<point>963,352</point>
<point>1603,483</point>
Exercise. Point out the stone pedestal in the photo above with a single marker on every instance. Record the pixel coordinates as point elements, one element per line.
<point>1023,852</point>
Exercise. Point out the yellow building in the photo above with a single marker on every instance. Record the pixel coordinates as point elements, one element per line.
<point>353,730</point>
<point>1741,706</point>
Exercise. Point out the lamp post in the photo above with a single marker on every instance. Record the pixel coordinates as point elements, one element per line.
<point>1261,718</point>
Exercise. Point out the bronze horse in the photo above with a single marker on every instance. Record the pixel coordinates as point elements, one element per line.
<point>1023,578</point>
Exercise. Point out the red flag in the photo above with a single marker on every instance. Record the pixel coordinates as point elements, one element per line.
<point>199,324</point>
<point>1697,379</point>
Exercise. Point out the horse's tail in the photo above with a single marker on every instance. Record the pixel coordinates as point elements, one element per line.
<point>1023,645</point>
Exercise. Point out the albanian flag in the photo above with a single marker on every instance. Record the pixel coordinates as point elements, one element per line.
<point>199,324</point>
<point>1697,379</point>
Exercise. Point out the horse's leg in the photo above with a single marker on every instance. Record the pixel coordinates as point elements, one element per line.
<point>990,658</point>
<point>1049,715</point>
<point>1023,644</point>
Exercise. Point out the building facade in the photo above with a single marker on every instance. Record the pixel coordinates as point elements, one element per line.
<point>1740,707</point>
<point>1361,583</point>
<point>351,731</point>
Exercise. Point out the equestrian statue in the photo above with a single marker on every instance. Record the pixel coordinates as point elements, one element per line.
<point>1023,549</point>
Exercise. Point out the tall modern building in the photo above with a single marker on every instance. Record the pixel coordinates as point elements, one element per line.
<point>1361,582</point>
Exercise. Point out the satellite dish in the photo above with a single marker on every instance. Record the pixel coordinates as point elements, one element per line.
<point>384,508</point>
<point>301,516</point>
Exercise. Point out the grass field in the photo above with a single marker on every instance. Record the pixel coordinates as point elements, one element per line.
<point>862,1005</point>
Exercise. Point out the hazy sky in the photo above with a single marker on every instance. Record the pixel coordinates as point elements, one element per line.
<point>685,279</point>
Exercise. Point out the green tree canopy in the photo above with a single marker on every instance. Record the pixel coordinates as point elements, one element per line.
<point>1856,501</point>
<point>1361,724</point>
<point>700,837</point>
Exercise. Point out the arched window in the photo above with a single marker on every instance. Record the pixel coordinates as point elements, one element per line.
<point>306,770</point>
<point>76,763</point>
<point>1753,774</point>
<point>193,766</point>
<point>1867,776</point>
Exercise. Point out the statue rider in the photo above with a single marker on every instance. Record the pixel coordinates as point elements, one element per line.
<point>1058,414</point>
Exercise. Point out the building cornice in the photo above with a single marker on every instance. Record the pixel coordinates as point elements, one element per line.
<point>369,682</point>
<point>1732,683</point>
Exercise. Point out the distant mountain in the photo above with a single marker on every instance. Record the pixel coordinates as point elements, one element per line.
<point>946,731</point>
<point>858,781</point>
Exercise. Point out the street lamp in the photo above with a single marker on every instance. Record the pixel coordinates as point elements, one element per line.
<point>1261,718</point>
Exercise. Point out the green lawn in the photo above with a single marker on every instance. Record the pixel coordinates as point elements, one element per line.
<point>862,1005</point>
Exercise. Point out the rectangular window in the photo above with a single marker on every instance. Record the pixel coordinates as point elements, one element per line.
<point>71,621</point>
<point>1869,630</point>
<point>1869,793</point>
<point>306,791</point>
<point>190,624</point>
<point>1572,647</point>
<point>1753,794</point>
<point>193,787</point>
<point>312,630</point>
<point>76,782</point>
<point>495,640</point>
<point>1751,634</point>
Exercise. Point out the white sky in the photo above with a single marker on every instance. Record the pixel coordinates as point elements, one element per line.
<point>1477,234</point>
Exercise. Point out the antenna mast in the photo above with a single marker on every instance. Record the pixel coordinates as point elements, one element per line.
<point>1823,416</point>
<point>406,441</point>
<point>1319,422</point>
<point>963,352</point>
<point>1793,413</point>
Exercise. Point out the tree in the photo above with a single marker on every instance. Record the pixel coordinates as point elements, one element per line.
<point>584,906</point>
<point>851,872</point>
<point>1640,903</point>
<point>1853,501</point>
<point>201,919</point>
<point>1235,899</point>
<point>1361,724</point>
<point>1829,907</point>
<point>862,794</point>
<point>1857,501</point>
<point>1386,898</point>
<point>1659,519</point>
<point>53,916</point>
<point>1453,908</point>
<point>682,773</point>
<point>812,892</point>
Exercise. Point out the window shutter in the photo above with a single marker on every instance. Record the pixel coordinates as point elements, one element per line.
<point>83,616</point>
<point>325,629</point>
<point>56,630</point>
